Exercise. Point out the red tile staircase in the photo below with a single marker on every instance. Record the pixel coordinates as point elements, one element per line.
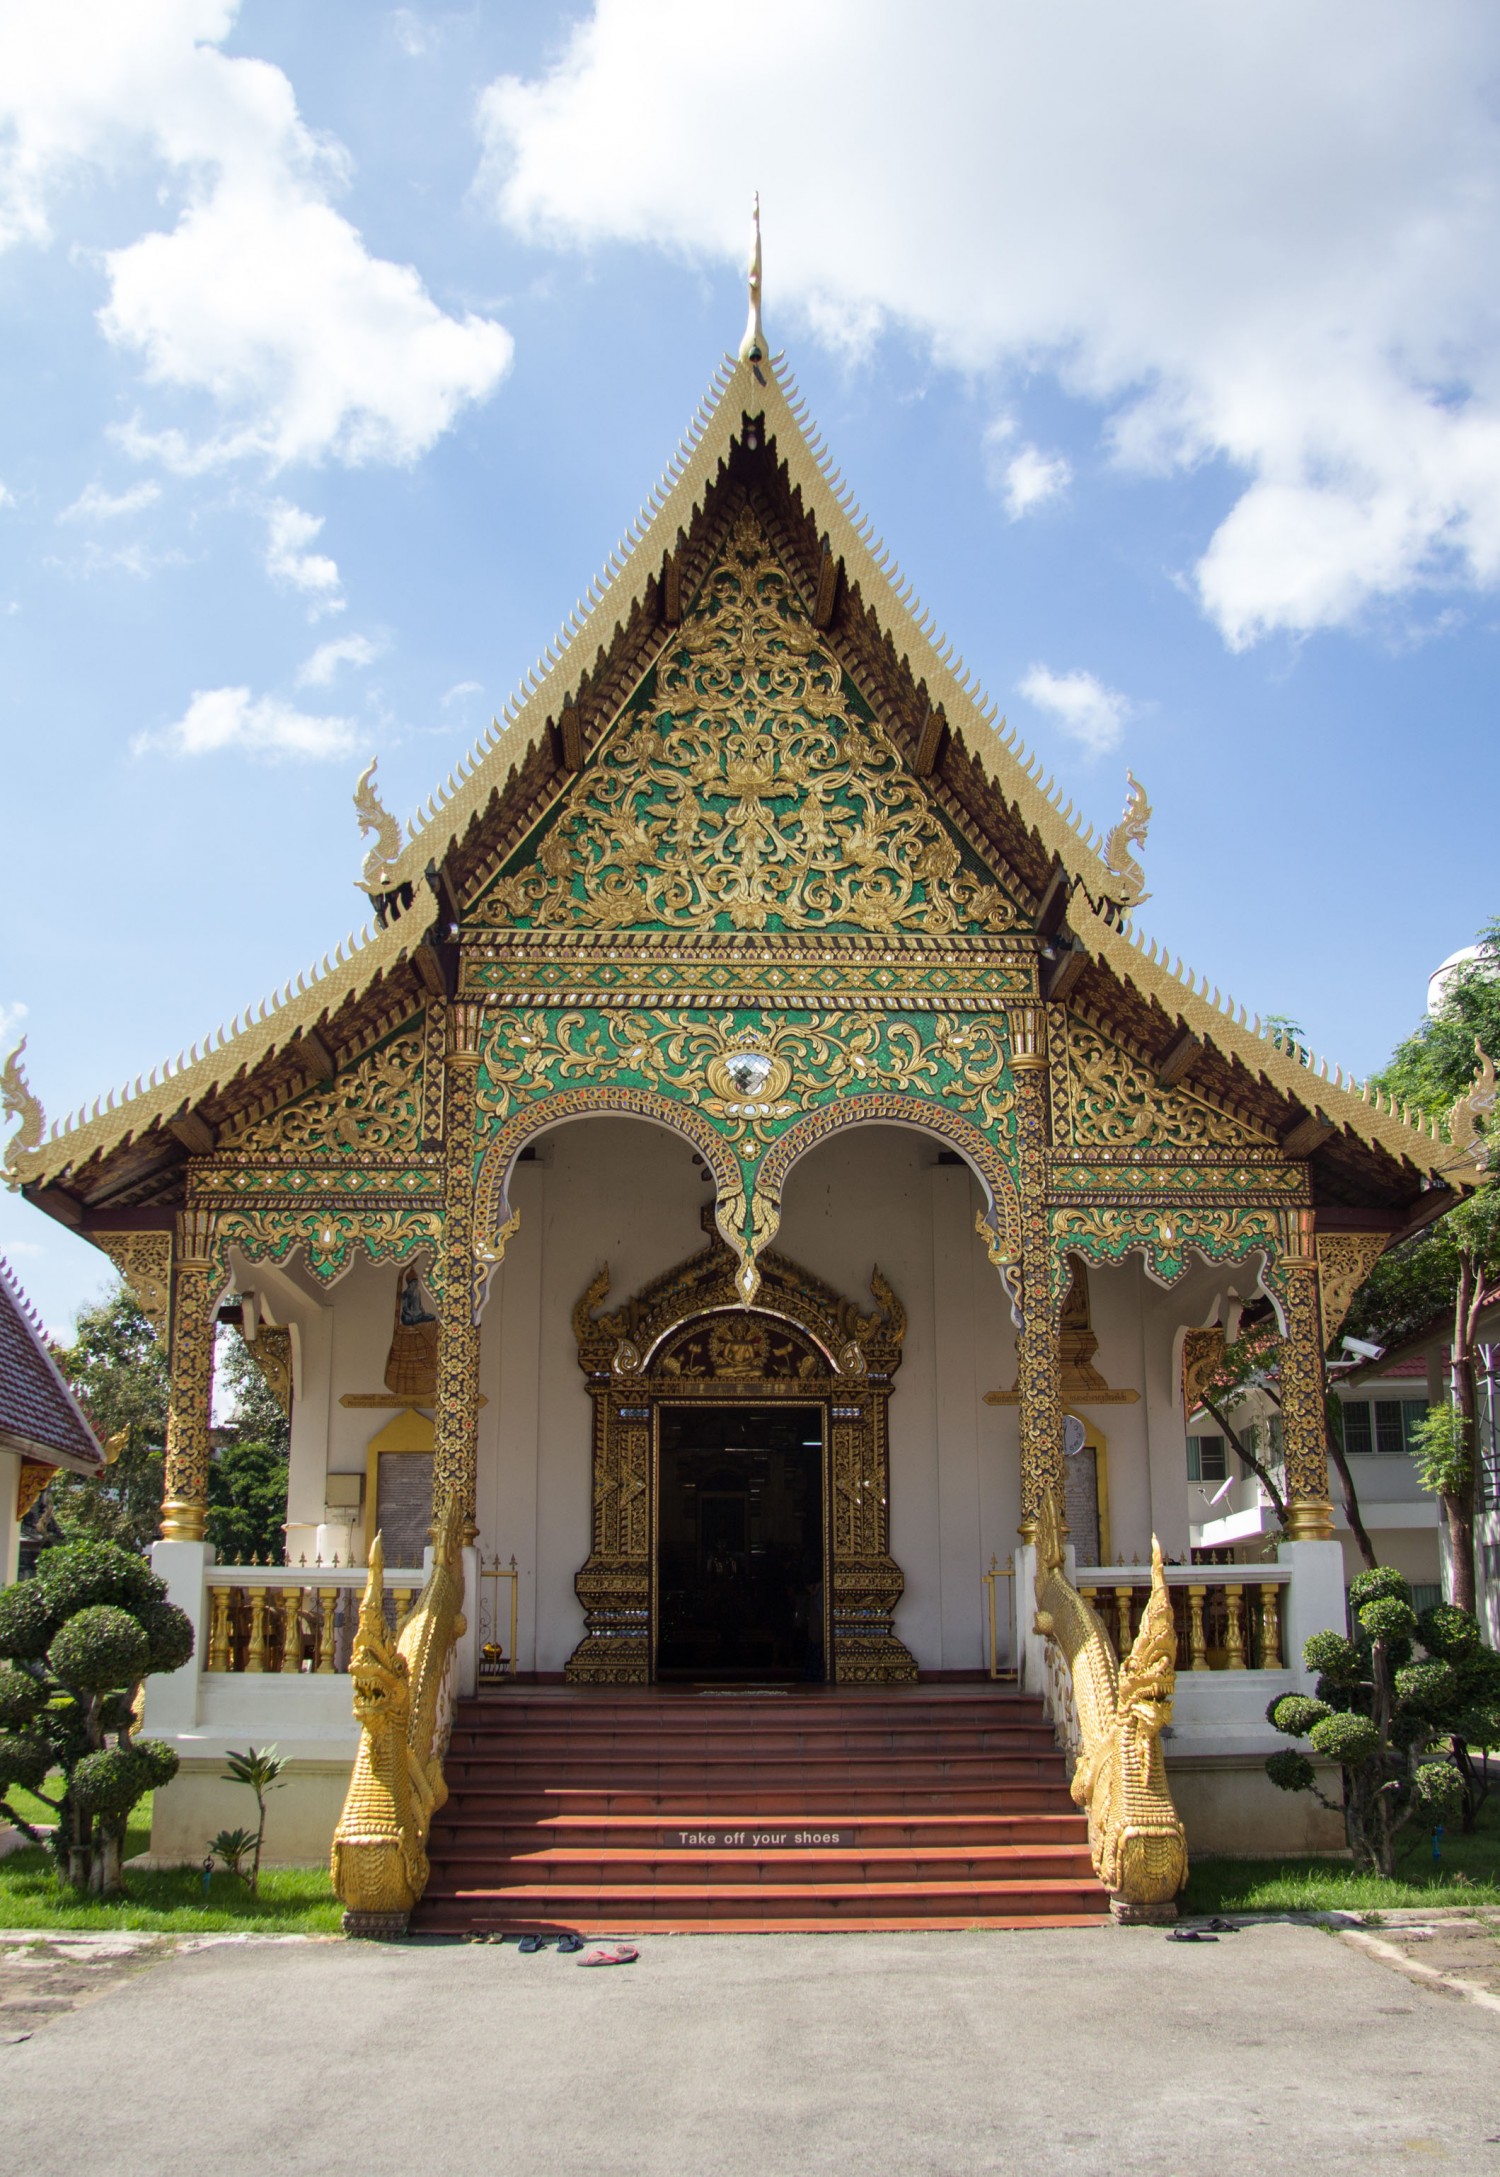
<point>697,1811</point>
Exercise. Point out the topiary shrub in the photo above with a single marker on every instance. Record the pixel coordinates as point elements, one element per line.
<point>77,1639</point>
<point>1397,1723</point>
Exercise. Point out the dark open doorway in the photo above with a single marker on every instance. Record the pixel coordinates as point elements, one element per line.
<point>739,1543</point>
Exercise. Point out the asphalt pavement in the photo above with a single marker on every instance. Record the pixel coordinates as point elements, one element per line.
<point>1108,2050</point>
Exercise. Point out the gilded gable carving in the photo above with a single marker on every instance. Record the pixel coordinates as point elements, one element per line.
<point>747,793</point>
<point>1108,1100</point>
<point>373,1104</point>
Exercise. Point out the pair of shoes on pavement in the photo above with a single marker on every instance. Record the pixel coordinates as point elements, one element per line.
<point>605,1954</point>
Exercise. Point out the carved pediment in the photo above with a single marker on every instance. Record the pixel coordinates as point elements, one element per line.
<point>640,1334</point>
<point>748,790</point>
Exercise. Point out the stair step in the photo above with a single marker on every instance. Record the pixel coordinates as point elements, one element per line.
<point>467,1828</point>
<point>808,1870</point>
<point>930,1807</point>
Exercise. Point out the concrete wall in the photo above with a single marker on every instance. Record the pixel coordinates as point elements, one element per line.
<point>10,1524</point>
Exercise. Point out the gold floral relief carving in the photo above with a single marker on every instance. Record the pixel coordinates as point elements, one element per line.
<point>750,1076</point>
<point>1109,1100</point>
<point>373,1104</point>
<point>748,793</point>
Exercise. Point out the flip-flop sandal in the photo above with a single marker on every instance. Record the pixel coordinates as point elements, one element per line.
<point>614,1954</point>
<point>1190,1935</point>
<point>529,1945</point>
<point>1223,1927</point>
<point>567,1943</point>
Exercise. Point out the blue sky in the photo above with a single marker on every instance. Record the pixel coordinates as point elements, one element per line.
<point>343,342</point>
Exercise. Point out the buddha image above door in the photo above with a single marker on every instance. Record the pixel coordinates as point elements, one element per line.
<point>741,1577</point>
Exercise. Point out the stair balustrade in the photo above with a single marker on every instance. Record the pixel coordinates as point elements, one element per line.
<point>1228,1617</point>
<point>290,1621</point>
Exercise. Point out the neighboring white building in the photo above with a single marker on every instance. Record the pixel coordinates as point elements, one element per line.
<point>1230,1511</point>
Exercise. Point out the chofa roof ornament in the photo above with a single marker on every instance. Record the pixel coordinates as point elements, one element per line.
<point>1129,890</point>
<point>753,346</point>
<point>1472,1117</point>
<point>375,817</point>
<point>18,1102</point>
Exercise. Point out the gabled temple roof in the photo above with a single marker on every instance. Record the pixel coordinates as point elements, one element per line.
<point>751,434</point>
<point>39,1415</point>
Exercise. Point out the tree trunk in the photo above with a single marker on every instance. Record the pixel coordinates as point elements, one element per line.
<point>1458,1504</point>
<point>109,1874</point>
<point>1278,1501</point>
<point>1333,1428</point>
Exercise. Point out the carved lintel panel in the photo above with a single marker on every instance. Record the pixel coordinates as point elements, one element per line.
<point>271,1351</point>
<point>1345,1260</point>
<point>144,1261</point>
<point>802,1342</point>
<point>1202,1354</point>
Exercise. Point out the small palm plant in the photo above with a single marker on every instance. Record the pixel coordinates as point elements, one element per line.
<point>260,1773</point>
<point>233,1846</point>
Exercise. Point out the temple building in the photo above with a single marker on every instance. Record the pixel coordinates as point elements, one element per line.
<point>753,1158</point>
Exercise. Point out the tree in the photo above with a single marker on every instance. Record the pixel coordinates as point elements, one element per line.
<point>118,1372</point>
<point>1381,1711</point>
<point>1249,1364</point>
<point>1449,1270</point>
<point>78,1640</point>
<point>247,1479</point>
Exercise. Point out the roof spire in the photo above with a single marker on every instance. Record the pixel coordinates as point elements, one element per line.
<point>753,346</point>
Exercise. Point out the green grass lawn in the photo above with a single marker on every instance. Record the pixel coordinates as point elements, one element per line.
<point>1468,1873</point>
<point>292,1900</point>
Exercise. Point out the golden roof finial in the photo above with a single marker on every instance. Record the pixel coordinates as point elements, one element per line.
<point>753,346</point>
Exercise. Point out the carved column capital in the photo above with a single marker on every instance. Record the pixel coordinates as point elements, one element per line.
<point>465,1022</point>
<point>1028,1038</point>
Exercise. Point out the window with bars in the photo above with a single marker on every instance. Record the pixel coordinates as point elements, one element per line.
<point>1207,1459</point>
<point>1383,1426</point>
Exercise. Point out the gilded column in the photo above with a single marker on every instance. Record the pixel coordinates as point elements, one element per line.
<point>195,1289</point>
<point>456,1460</point>
<point>1304,1426</point>
<point>1038,1369</point>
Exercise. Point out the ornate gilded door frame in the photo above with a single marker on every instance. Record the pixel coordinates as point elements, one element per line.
<point>687,1336</point>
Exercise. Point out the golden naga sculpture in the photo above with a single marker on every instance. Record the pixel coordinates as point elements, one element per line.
<point>403,1703</point>
<point>1114,1715</point>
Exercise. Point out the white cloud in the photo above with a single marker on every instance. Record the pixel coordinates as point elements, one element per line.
<point>261,295</point>
<point>1089,713</point>
<point>1032,478</point>
<point>318,671</point>
<point>459,690</point>
<point>1252,235</point>
<point>95,504</point>
<point>414,37</point>
<point>288,531</point>
<point>11,1018</point>
<point>263,726</point>
<point>7,497</point>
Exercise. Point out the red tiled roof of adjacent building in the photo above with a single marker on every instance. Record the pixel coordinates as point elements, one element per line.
<point>38,1413</point>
